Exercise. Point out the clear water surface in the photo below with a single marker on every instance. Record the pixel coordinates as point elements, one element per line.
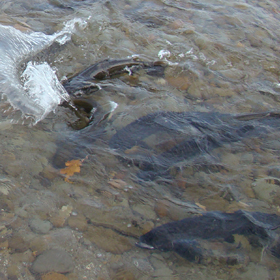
<point>222,56</point>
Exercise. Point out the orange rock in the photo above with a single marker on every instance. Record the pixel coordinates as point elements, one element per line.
<point>161,208</point>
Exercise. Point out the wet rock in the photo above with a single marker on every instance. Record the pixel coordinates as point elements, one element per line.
<point>26,257</point>
<point>38,245</point>
<point>2,276</point>
<point>117,218</point>
<point>21,213</point>
<point>224,92</point>
<point>13,272</point>
<point>78,222</point>
<point>230,160</point>
<point>274,171</point>
<point>176,24</point>
<point>143,265</point>
<point>181,82</point>
<point>108,240</point>
<point>54,276</point>
<point>145,210</point>
<point>232,73</point>
<point>267,189</point>
<point>147,227</point>
<point>196,89</point>
<point>174,211</point>
<point>57,221</point>
<point>160,267</point>
<point>18,244</point>
<point>161,208</point>
<point>255,271</point>
<point>53,260</point>
<point>123,274</point>
<point>254,41</point>
<point>39,226</point>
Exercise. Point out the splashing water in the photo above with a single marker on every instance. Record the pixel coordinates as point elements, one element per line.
<point>37,91</point>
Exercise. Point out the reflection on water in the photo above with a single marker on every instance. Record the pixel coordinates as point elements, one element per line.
<point>220,57</point>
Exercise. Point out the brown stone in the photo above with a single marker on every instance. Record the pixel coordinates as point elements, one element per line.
<point>123,274</point>
<point>49,172</point>
<point>54,276</point>
<point>26,257</point>
<point>176,24</point>
<point>161,208</point>
<point>13,271</point>
<point>78,222</point>
<point>53,260</point>
<point>17,244</point>
<point>147,227</point>
<point>57,221</point>
<point>38,245</point>
<point>180,82</point>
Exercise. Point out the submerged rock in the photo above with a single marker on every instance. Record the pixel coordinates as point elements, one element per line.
<point>53,260</point>
<point>213,235</point>
<point>39,226</point>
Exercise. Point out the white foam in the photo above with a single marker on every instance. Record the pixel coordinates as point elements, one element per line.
<point>43,87</point>
<point>39,92</point>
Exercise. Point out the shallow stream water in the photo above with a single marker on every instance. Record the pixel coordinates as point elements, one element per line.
<point>220,56</point>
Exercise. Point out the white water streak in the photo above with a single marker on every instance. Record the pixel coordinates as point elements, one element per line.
<point>41,92</point>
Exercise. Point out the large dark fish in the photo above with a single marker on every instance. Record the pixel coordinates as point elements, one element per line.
<point>182,135</point>
<point>191,237</point>
<point>86,80</point>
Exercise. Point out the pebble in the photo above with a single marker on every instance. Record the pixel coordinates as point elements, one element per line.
<point>39,226</point>
<point>53,260</point>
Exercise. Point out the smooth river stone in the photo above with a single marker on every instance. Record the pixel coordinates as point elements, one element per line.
<point>39,226</point>
<point>53,260</point>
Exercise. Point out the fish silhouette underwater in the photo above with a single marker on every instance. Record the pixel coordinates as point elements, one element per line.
<point>213,234</point>
<point>163,140</point>
<point>184,135</point>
